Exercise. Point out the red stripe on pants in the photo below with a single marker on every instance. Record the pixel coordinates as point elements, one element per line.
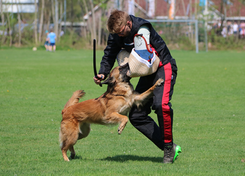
<point>165,107</point>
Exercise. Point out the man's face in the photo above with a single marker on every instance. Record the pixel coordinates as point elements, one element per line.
<point>125,30</point>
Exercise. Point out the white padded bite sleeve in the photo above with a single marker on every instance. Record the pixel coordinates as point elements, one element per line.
<point>139,42</point>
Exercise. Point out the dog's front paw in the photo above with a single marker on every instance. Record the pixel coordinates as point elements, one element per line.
<point>119,131</point>
<point>159,82</point>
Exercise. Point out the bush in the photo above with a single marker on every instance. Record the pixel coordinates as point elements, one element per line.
<point>225,43</point>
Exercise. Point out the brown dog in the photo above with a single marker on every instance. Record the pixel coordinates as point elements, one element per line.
<point>110,108</point>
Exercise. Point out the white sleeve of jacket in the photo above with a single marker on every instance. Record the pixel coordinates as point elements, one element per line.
<point>140,43</point>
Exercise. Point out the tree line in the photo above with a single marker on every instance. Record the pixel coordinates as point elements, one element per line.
<point>24,29</point>
<point>21,29</point>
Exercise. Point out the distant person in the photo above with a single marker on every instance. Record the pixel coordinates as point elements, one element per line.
<point>215,25</point>
<point>51,38</point>
<point>61,33</point>
<point>242,31</point>
<point>224,31</point>
<point>235,28</point>
<point>229,29</point>
<point>46,44</point>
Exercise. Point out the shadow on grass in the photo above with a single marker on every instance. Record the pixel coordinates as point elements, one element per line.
<point>124,158</point>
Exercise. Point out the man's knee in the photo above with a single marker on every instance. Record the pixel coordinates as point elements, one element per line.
<point>138,115</point>
<point>162,108</point>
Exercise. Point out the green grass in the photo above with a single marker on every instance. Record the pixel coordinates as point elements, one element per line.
<point>208,108</point>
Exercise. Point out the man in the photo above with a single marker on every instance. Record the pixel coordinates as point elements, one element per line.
<point>52,37</point>
<point>123,28</point>
<point>235,28</point>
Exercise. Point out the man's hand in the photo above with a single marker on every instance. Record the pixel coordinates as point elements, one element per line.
<point>99,78</point>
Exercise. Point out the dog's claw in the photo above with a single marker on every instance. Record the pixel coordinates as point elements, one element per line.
<point>160,81</point>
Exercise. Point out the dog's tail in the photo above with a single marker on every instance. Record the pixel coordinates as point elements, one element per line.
<point>74,99</point>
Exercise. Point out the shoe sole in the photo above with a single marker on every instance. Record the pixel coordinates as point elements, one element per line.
<point>177,151</point>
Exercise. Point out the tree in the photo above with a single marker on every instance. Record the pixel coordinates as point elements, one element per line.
<point>19,25</point>
<point>35,22</point>
<point>3,21</point>
<point>41,22</point>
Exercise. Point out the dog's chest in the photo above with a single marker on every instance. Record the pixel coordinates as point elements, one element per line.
<point>125,109</point>
<point>126,106</point>
<point>128,92</point>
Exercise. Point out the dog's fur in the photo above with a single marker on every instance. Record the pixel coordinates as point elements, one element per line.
<point>111,107</point>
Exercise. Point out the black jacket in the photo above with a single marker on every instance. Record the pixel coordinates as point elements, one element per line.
<point>116,43</point>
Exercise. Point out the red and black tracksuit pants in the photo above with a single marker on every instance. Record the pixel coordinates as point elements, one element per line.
<point>160,135</point>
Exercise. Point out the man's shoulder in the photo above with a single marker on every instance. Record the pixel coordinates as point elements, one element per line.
<point>139,21</point>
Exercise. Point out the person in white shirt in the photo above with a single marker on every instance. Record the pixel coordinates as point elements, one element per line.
<point>224,31</point>
<point>235,28</point>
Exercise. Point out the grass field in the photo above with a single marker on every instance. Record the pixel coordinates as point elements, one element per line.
<point>208,103</point>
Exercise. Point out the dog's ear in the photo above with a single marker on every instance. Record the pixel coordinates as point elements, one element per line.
<point>125,66</point>
<point>108,81</point>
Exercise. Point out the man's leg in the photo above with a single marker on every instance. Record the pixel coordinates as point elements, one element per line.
<point>54,47</point>
<point>162,107</point>
<point>160,136</point>
<point>140,119</point>
<point>50,47</point>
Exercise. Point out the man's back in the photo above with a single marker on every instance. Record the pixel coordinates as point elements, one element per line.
<point>52,37</point>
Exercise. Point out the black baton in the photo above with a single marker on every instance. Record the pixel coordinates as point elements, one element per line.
<point>94,61</point>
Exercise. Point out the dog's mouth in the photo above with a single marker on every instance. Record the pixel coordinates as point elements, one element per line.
<point>124,71</point>
<point>126,78</point>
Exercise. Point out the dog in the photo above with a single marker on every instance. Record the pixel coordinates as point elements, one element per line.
<point>111,107</point>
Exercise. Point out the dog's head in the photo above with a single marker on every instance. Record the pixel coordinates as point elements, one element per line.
<point>118,74</point>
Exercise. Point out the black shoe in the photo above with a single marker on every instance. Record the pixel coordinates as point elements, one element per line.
<point>171,153</point>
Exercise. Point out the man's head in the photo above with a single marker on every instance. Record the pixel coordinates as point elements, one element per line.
<point>119,23</point>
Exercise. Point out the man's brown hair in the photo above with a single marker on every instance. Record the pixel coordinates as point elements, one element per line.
<point>117,20</point>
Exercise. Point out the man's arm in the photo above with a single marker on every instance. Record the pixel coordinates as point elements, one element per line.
<point>110,53</point>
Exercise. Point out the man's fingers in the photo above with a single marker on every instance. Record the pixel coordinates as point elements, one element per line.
<point>98,78</point>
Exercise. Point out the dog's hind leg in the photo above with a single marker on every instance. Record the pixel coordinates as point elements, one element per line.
<point>64,152</point>
<point>64,149</point>
<point>68,138</point>
<point>68,144</point>
<point>84,131</point>
<point>73,153</point>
